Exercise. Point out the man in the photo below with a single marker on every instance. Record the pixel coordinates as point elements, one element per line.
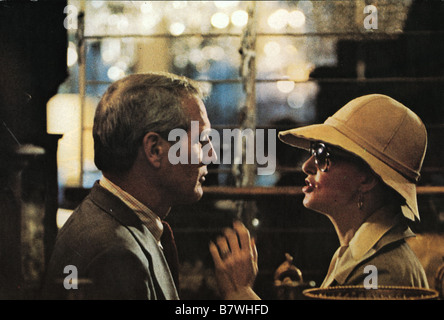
<point>113,243</point>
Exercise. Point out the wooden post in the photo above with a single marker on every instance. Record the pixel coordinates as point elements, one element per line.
<point>82,79</point>
<point>245,173</point>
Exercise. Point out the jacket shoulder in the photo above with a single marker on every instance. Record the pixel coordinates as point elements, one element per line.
<point>395,264</point>
<point>98,245</point>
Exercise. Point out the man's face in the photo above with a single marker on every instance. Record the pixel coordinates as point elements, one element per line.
<point>184,181</point>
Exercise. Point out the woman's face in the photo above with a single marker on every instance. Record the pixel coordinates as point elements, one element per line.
<point>334,190</point>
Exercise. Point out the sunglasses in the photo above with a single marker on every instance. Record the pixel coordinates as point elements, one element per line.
<point>323,154</point>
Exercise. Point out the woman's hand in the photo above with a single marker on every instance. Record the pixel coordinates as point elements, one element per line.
<point>235,261</point>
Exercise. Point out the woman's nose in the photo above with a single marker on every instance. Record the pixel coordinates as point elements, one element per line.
<point>309,166</point>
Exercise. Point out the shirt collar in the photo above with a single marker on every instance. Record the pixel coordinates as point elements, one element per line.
<point>145,214</point>
<point>371,231</point>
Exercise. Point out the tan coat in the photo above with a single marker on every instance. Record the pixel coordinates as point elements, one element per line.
<point>379,242</point>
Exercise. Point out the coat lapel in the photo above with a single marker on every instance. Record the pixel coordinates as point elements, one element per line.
<point>347,264</point>
<point>160,265</point>
<point>116,208</point>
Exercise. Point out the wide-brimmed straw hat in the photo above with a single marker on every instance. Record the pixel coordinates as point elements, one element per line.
<point>388,136</point>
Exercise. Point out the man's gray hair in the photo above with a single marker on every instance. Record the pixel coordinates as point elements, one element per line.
<point>134,106</point>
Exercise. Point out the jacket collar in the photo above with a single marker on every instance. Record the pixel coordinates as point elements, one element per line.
<point>125,216</point>
<point>371,232</point>
<point>380,229</point>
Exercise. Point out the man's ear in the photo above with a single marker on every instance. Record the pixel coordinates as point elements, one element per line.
<point>153,148</point>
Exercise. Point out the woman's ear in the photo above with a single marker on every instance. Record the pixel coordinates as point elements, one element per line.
<point>368,182</point>
<point>153,148</point>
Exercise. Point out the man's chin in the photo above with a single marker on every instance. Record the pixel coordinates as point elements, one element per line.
<point>192,198</point>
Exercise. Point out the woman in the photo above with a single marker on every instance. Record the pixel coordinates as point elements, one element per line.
<point>362,172</point>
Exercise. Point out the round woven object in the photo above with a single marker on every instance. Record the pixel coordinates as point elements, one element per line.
<point>361,293</point>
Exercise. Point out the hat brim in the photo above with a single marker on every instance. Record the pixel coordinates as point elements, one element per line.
<point>302,137</point>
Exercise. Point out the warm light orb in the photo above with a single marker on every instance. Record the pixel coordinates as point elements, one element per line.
<point>71,56</point>
<point>296,19</point>
<point>177,28</point>
<point>278,19</point>
<point>239,18</point>
<point>285,86</point>
<point>115,73</point>
<point>220,20</point>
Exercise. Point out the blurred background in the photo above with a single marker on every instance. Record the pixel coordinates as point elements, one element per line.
<point>265,65</point>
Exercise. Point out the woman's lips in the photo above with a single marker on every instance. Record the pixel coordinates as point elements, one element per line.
<point>309,187</point>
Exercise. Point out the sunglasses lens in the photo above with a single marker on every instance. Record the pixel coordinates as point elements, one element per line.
<point>319,150</point>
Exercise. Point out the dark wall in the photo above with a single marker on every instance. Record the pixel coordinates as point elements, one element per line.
<point>33,64</point>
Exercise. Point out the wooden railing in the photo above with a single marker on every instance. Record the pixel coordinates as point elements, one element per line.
<point>246,193</point>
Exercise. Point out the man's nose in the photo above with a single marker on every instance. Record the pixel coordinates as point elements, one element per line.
<point>210,156</point>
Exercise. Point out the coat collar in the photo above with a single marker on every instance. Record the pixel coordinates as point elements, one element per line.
<point>380,229</point>
<point>125,216</point>
<point>372,231</point>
